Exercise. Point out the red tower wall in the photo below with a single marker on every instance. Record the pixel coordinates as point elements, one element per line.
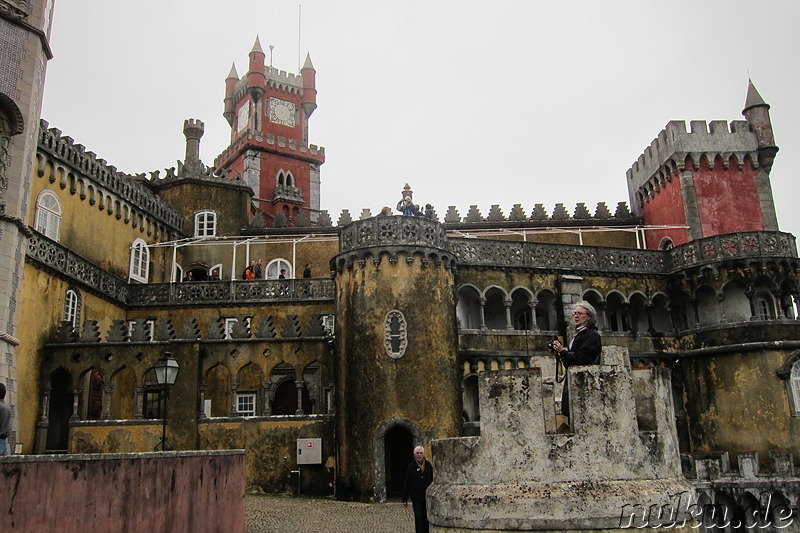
<point>727,199</point>
<point>666,209</point>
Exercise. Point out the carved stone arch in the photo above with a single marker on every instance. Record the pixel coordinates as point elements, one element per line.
<point>312,376</point>
<point>522,308</point>
<point>638,309</point>
<point>617,311</point>
<point>122,387</point>
<point>216,384</point>
<point>379,450</point>
<point>495,299</point>
<point>12,115</point>
<point>747,159</point>
<point>468,306</point>
<point>546,312</point>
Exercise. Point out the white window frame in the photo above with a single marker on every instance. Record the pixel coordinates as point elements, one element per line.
<point>149,324</point>
<point>247,399</point>
<point>72,302</point>
<point>794,388</point>
<point>48,217</point>
<point>230,323</point>
<point>140,261</point>
<point>274,267</point>
<point>205,224</point>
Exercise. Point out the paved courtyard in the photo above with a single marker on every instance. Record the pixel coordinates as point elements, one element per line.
<point>289,514</point>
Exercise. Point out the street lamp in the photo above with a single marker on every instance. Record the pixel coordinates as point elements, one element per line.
<point>166,370</point>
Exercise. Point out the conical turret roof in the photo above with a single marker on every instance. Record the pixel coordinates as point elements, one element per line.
<point>753,98</point>
<point>233,73</point>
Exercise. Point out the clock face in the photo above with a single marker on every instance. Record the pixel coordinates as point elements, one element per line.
<point>244,115</point>
<point>281,112</point>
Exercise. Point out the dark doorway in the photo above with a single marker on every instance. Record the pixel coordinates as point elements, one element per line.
<point>60,411</point>
<point>399,449</point>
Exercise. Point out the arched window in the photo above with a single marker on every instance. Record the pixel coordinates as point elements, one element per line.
<point>794,388</point>
<point>205,224</point>
<point>395,338</point>
<point>140,259</point>
<point>72,307</point>
<point>48,215</point>
<point>279,267</point>
<point>666,244</point>
<point>765,310</point>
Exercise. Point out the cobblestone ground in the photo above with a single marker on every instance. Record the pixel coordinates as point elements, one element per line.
<point>288,514</point>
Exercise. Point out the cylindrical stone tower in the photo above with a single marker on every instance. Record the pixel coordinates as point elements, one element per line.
<point>396,350</point>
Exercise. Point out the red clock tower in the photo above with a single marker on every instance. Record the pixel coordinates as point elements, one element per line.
<point>268,111</point>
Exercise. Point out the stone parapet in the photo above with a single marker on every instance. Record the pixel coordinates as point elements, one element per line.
<point>522,475</point>
<point>64,151</point>
<point>600,259</point>
<point>64,262</point>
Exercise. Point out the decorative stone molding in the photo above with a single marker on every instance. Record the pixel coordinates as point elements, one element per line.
<point>73,267</point>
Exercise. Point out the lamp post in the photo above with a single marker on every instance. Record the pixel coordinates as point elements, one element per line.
<point>166,370</point>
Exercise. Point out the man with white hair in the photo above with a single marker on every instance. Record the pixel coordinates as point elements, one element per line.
<point>419,475</point>
<point>585,347</point>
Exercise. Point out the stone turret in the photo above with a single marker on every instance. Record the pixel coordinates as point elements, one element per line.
<point>756,111</point>
<point>230,88</point>
<point>397,381</point>
<point>256,77</point>
<point>193,131</point>
<point>309,101</point>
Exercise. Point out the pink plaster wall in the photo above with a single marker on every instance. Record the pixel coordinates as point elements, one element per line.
<point>169,492</point>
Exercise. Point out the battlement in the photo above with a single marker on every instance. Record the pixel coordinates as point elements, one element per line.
<point>66,151</point>
<point>271,140</point>
<point>282,79</point>
<point>672,147</point>
<point>538,215</point>
<point>193,127</point>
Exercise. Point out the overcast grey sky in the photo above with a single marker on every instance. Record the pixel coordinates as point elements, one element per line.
<point>469,102</point>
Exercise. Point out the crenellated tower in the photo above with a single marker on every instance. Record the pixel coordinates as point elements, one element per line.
<point>711,180</point>
<point>397,380</point>
<point>268,111</point>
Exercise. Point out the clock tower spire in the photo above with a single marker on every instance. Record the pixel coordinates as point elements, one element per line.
<point>268,110</point>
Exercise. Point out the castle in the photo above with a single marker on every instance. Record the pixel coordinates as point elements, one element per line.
<point>384,345</point>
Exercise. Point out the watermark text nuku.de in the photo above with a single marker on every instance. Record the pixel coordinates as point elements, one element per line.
<point>684,511</point>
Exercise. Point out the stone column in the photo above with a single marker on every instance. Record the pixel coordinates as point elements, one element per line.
<point>483,316</point>
<point>44,422</point>
<point>778,307</point>
<point>202,411</point>
<point>299,384</point>
<point>138,403</point>
<point>234,390</point>
<point>267,389</point>
<point>77,395</point>
<point>107,391</point>
<point>507,304</point>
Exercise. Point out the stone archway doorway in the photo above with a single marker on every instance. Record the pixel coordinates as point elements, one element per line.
<point>399,452</point>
